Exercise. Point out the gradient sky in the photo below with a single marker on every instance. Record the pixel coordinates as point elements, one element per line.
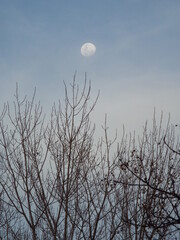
<point>136,65</point>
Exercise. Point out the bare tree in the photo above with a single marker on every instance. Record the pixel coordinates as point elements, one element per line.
<point>57,182</point>
<point>69,140</point>
<point>152,168</point>
<point>20,143</point>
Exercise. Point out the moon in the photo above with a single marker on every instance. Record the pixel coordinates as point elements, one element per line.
<point>88,49</point>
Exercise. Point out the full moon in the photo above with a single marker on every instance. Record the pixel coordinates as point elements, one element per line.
<point>88,49</point>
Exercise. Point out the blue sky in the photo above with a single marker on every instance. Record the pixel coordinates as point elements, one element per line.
<point>136,65</point>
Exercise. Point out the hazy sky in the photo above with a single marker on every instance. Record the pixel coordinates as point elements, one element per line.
<point>136,65</point>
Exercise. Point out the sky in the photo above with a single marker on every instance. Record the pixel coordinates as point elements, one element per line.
<point>136,65</point>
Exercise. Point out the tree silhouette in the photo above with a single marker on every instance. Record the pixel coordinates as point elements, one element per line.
<point>58,182</point>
